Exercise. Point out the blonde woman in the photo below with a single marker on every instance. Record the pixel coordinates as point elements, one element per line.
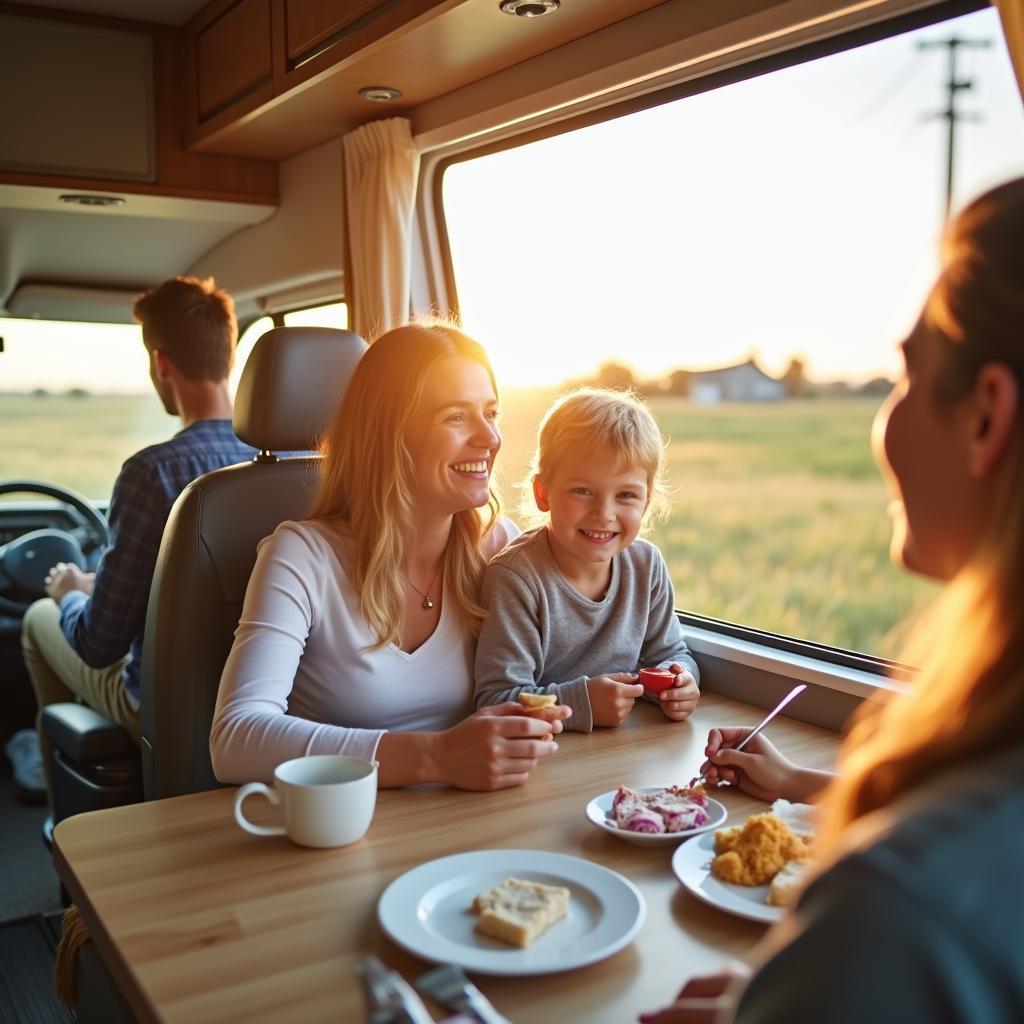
<point>916,916</point>
<point>359,624</point>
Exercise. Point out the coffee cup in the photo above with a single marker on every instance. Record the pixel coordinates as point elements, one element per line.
<point>654,680</point>
<point>325,800</point>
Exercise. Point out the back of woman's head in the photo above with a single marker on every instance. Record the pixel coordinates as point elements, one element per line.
<point>977,305</point>
<point>367,482</point>
<point>967,700</point>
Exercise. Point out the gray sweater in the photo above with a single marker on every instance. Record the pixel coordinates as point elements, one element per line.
<point>542,635</point>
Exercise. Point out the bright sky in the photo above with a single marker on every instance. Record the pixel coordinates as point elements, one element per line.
<point>792,214</point>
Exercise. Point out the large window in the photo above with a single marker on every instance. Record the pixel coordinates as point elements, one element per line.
<point>748,256</point>
<point>76,401</point>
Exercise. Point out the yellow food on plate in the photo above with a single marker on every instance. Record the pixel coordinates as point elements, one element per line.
<point>754,852</point>
<point>517,911</point>
<point>537,700</point>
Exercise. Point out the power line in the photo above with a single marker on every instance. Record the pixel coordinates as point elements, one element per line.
<point>909,71</point>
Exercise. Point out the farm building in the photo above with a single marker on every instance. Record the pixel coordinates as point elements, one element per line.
<point>745,382</point>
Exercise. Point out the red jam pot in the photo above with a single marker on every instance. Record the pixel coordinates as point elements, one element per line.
<point>655,680</point>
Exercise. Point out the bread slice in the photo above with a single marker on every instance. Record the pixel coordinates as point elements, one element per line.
<point>537,700</point>
<point>517,911</point>
<point>786,885</point>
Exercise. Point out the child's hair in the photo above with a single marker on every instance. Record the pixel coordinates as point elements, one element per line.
<point>618,423</point>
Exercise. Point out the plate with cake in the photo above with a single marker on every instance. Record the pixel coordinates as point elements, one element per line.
<point>655,815</point>
<point>512,912</point>
<point>755,870</point>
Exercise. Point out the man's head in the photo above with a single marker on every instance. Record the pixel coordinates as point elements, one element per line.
<point>191,323</point>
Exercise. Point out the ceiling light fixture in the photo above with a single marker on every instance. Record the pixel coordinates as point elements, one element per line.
<point>529,8</point>
<point>379,93</point>
<point>88,199</point>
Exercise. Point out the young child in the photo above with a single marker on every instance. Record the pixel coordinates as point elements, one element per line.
<point>577,606</point>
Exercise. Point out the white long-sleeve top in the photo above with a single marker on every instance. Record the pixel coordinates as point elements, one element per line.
<point>300,678</point>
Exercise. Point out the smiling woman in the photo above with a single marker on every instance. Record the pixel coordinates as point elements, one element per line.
<point>406,479</point>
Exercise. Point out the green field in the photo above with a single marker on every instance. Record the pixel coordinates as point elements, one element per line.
<point>778,514</point>
<point>778,518</point>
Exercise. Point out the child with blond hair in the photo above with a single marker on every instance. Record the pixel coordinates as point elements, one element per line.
<point>576,606</point>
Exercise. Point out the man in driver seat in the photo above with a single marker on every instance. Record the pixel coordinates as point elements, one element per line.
<point>86,643</point>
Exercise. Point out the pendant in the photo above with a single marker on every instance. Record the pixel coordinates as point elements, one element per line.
<point>427,604</point>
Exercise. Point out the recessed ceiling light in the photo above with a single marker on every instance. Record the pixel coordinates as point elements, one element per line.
<point>88,199</point>
<point>529,8</point>
<point>379,93</point>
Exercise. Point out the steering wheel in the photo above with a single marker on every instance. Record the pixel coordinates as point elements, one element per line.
<point>26,560</point>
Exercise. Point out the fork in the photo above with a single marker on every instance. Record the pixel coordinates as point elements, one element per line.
<point>788,699</point>
<point>450,987</point>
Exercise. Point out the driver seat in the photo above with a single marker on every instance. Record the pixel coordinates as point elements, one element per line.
<point>290,388</point>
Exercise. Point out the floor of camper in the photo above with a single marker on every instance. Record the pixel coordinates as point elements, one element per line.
<point>30,913</point>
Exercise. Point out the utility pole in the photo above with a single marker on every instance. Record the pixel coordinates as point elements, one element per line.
<point>954,85</point>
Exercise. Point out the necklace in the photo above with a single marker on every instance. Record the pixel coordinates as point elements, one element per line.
<point>427,603</point>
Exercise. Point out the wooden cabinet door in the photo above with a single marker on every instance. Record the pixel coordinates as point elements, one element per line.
<point>233,55</point>
<point>311,23</point>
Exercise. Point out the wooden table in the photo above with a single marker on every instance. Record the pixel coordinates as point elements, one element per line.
<point>199,921</point>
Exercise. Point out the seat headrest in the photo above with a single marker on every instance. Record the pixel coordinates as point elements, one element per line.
<point>292,385</point>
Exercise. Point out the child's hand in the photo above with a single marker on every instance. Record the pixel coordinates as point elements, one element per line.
<point>612,697</point>
<point>679,701</point>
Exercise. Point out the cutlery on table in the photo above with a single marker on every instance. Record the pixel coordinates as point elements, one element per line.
<point>390,998</point>
<point>788,699</point>
<point>449,986</point>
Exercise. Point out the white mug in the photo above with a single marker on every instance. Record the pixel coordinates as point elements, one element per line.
<point>326,799</point>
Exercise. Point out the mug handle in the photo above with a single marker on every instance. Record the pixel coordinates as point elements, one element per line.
<point>271,794</point>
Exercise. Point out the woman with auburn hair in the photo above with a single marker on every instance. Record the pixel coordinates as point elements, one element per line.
<point>359,624</point>
<point>914,914</point>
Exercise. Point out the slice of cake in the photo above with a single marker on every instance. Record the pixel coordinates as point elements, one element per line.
<point>517,911</point>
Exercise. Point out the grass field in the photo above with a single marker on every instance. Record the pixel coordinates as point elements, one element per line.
<point>778,516</point>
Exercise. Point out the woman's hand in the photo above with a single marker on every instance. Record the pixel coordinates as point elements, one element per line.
<point>496,747</point>
<point>703,1000</point>
<point>612,697</point>
<point>679,702</point>
<point>759,769</point>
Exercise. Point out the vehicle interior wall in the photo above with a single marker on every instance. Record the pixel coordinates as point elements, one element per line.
<point>294,255</point>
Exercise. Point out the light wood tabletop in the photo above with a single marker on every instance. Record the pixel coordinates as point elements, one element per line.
<point>199,921</point>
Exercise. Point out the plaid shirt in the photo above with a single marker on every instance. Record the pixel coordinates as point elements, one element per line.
<point>109,624</point>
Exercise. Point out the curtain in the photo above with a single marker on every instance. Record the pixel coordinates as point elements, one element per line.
<point>381,168</point>
<point>1012,14</point>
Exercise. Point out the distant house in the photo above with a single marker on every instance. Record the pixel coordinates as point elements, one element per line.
<point>746,382</point>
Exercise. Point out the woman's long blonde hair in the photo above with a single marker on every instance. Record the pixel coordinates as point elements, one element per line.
<point>368,485</point>
<point>968,699</point>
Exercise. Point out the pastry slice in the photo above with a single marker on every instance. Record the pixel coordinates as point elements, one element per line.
<point>517,911</point>
<point>536,700</point>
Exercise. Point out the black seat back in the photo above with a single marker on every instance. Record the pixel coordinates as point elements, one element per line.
<point>290,388</point>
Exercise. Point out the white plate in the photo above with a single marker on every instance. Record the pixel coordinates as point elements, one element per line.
<point>428,912</point>
<point>692,866</point>
<point>599,813</point>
